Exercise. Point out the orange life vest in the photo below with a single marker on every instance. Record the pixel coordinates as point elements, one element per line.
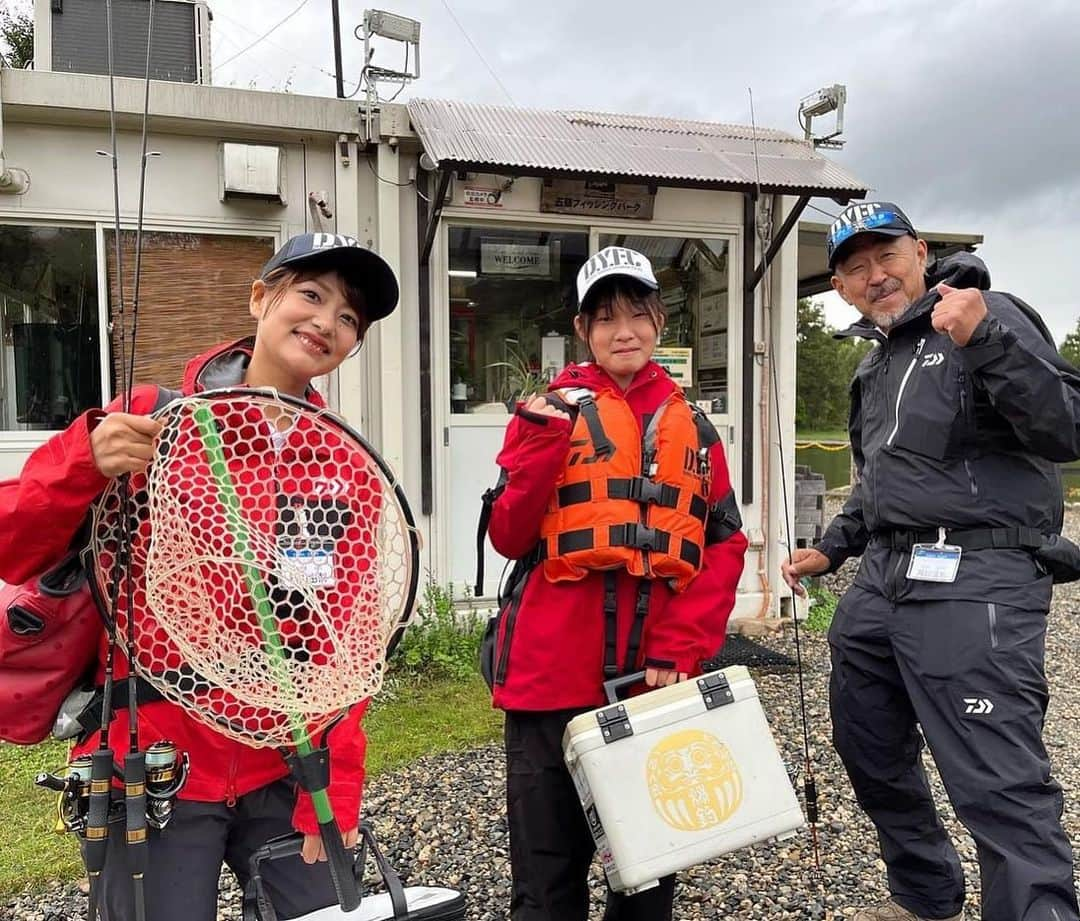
<point>627,500</point>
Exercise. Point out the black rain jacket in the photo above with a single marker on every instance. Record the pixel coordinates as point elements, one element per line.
<point>961,438</point>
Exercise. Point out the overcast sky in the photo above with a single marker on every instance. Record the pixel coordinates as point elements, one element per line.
<point>965,113</point>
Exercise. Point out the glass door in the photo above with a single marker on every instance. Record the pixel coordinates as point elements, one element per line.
<point>511,305</point>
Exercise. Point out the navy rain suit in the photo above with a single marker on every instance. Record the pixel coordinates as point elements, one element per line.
<point>967,439</point>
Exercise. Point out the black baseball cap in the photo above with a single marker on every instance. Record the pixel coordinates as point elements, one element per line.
<point>881,217</point>
<point>360,266</point>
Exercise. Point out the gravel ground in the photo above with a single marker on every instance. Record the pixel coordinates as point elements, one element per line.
<point>442,820</point>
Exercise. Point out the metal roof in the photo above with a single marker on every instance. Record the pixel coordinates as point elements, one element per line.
<point>668,151</point>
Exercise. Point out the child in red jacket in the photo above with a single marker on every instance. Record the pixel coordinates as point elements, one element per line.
<point>313,303</point>
<point>617,489</point>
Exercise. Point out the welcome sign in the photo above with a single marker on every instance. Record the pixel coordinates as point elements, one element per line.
<point>523,259</point>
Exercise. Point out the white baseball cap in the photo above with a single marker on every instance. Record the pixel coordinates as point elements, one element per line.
<point>614,260</point>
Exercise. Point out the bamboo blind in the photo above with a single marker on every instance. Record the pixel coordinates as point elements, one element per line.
<point>193,294</point>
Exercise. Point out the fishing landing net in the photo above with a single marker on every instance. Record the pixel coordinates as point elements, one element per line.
<point>274,563</point>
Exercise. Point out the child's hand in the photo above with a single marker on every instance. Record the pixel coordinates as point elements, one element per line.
<point>540,406</point>
<point>662,677</point>
<point>123,443</point>
<point>312,848</point>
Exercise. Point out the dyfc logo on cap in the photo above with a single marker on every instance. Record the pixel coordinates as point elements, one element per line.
<point>612,258</point>
<point>327,240</point>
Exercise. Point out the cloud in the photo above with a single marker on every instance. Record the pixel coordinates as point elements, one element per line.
<point>964,113</point>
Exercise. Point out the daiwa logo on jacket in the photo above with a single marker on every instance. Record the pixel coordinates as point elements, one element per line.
<point>624,500</point>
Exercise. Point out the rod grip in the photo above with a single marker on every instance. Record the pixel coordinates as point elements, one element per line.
<point>97,815</point>
<point>135,806</point>
<point>810,788</point>
<point>341,866</point>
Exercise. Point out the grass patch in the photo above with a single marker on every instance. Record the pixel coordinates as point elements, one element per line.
<point>822,608</point>
<point>30,854</point>
<point>426,718</point>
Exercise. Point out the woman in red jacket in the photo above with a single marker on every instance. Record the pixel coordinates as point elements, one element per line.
<point>313,303</point>
<point>617,490</point>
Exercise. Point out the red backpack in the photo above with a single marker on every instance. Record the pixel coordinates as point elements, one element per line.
<point>49,633</point>
<point>49,630</point>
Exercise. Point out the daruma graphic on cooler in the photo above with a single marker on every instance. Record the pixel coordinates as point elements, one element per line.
<point>677,776</point>
<point>694,782</point>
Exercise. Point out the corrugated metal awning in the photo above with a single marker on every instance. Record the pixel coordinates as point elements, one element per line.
<point>664,151</point>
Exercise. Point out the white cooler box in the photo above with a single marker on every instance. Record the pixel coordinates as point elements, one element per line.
<point>679,775</point>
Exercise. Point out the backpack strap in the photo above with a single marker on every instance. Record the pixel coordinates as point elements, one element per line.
<point>89,702</point>
<point>724,519</point>
<point>641,610</point>
<point>488,501</point>
<point>707,433</point>
<point>611,636</point>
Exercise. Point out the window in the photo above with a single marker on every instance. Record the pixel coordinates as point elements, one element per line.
<point>512,306</point>
<point>50,365</point>
<point>193,293</point>
<point>693,277</point>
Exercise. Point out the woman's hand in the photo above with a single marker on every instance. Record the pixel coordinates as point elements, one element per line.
<point>313,849</point>
<point>539,406</point>
<point>123,443</point>
<point>662,677</point>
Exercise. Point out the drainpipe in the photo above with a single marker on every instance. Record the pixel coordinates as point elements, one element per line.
<point>13,180</point>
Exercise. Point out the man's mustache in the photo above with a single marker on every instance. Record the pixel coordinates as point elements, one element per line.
<point>877,292</point>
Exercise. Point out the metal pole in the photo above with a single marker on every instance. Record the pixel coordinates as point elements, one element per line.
<point>337,49</point>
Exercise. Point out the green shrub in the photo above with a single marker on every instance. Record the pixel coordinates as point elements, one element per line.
<point>442,642</point>
<point>822,607</point>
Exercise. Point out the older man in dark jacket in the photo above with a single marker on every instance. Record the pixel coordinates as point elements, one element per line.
<point>958,420</point>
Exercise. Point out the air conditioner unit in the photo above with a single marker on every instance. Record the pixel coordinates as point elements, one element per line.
<point>181,48</point>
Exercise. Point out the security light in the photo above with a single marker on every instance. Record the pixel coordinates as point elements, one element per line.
<point>822,102</point>
<point>391,25</point>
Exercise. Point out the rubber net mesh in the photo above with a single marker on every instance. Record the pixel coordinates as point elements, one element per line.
<point>272,560</point>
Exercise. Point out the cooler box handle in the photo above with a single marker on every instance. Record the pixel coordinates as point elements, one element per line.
<point>614,685</point>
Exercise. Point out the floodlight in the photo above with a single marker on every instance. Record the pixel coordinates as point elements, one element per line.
<point>391,25</point>
<point>822,102</point>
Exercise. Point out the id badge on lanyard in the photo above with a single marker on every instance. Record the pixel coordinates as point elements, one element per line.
<point>938,562</point>
<point>307,530</point>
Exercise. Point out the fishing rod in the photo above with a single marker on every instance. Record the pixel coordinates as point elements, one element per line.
<point>101,772</point>
<point>763,230</point>
<point>135,760</point>
<point>102,760</point>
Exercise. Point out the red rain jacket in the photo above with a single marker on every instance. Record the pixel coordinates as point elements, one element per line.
<point>556,648</point>
<point>41,511</point>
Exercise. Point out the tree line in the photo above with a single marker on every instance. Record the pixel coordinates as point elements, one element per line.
<point>826,365</point>
<point>824,369</point>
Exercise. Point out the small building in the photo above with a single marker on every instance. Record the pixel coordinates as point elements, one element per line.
<point>486,212</point>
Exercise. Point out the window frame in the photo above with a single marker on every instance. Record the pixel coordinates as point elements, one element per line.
<point>278,230</point>
<point>12,440</point>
